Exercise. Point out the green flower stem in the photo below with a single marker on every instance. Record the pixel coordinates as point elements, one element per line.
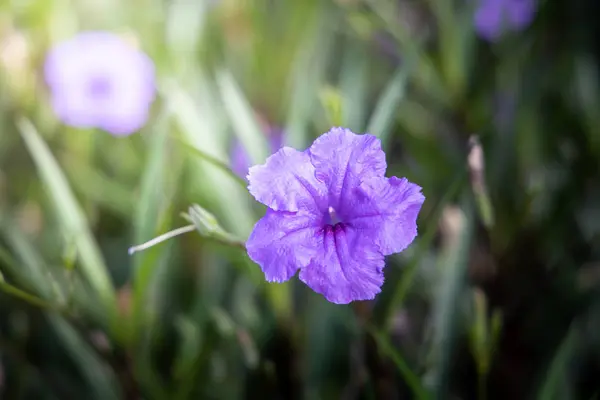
<point>28,297</point>
<point>214,161</point>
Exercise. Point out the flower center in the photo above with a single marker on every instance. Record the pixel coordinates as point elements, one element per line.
<point>331,218</point>
<point>99,87</point>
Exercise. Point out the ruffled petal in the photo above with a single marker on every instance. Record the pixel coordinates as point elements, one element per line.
<point>283,242</point>
<point>344,159</point>
<point>287,182</point>
<point>386,210</point>
<point>347,268</point>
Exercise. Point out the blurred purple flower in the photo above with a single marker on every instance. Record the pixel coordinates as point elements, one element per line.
<point>332,214</point>
<point>240,160</point>
<point>98,80</point>
<point>494,17</point>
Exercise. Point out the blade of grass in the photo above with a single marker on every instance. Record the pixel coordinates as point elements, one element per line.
<point>148,206</point>
<point>456,41</point>
<point>151,327</point>
<point>310,67</point>
<point>146,219</point>
<point>190,347</point>
<point>70,215</point>
<point>354,84</point>
<point>213,161</point>
<point>55,290</point>
<point>27,297</point>
<point>553,385</point>
<point>382,119</point>
<point>202,128</point>
<point>31,272</point>
<point>242,117</point>
<point>98,375</point>
<point>11,290</point>
<point>423,244</point>
<point>100,188</point>
<point>411,379</point>
<point>454,260</point>
<point>421,64</point>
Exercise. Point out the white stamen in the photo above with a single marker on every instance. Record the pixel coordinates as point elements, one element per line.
<point>332,216</point>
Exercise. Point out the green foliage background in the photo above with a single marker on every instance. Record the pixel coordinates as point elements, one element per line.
<point>497,298</point>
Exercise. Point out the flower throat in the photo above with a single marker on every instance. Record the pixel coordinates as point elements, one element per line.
<point>331,218</point>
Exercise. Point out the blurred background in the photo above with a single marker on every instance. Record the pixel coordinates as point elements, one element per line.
<point>491,106</point>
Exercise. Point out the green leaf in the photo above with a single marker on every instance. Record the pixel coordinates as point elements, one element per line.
<point>383,117</point>
<point>310,66</point>
<point>94,185</point>
<point>70,215</point>
<point>33,274</point>
<point>415,56</point>
<point>480,334</point>
<point>190,346</point>
<point>16,292</point>
<point>453,267</point>
<point>99,376</point>
<point>202,128</point>
<point>555,383</point>
<point>30,273</point>
<point>149,210</point>
<point>242,117</point>
<point>149,202</point>
<point>354,86</point>
<point>423,244</point>
<point>411,379</point>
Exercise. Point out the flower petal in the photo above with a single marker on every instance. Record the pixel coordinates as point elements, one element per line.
<point>488,19</point>
<point>283,242</point>
<point>74,68</point>
<point>240,162</point>
<point>343,159</point>
<point>520,13</point>
<point>387,210</point>
<point>74,108</point>
<point>286,182</point>
<point>347,268</point>
<point>125,121</point>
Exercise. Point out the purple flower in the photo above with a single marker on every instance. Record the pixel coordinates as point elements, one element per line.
<point>97,80</point>
<point>494,17</point>
<point>332,214</point>
<point>240,160</point>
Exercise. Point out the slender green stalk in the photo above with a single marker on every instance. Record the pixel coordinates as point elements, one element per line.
<point>21,294</point>
<point>411,379</point>
<point>213,161</point>
<point>27,297</point>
